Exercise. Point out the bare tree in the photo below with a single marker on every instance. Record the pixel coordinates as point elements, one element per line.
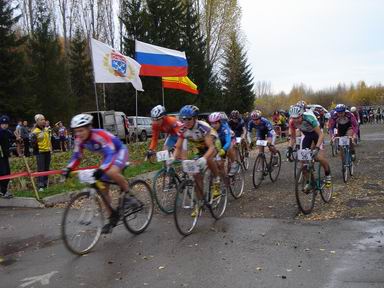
<point>27,10</point>
<point>263,88</point>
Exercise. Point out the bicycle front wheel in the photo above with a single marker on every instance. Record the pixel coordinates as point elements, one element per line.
<point>244,157</point>
<point>258,170</point>
<point>82,222</point>
<point>325,192</point>
<point>137,220</point>
<point>218,204</point>
<point>274,171</point>
<point>305,191</point>
<point>237,183</point>
<point>344,169</point>
<point>186,209</point>
<point>165,189</point>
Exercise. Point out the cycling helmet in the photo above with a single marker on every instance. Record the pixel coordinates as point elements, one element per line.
<point>158,112</point>
<point>4,119</point>
<point>256,115</point>
<point>353,109</point>
<point>340,108</point>
<point>301,103</point>
<point>296,111</point>
<point>81,120</point>
<point>189,111</point>
<point>234,114</point>
<point>215,117</point>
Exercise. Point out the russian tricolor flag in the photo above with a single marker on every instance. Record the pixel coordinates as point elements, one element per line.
<point>160,61</point>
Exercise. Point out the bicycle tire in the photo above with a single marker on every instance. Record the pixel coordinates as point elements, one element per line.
<point>217,205</point>
<point>344,169</point>
<point>258,170</point>
<point>303,178</point>
<point>326,193</point>
<point>136,221</point>
<point>238,178</point>
<point>76,202</point>
<point>351,166</point>
<point>333,148</point>
<point>185,203</point>
<point>245,159</point>
<point>275,167</point>
<point>164,199</point>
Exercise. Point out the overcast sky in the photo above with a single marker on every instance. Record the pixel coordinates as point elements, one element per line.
<point>316,42</point>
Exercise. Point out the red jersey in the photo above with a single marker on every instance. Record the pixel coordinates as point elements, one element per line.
<point>169,125</point>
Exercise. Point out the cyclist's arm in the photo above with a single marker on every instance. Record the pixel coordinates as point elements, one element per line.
<point>155,137</point>
<point>210,145</point>
<point>354,124</point>
<point>76,156</point>
<point>228,141</point>
<point>249,132</point>
<point>109,152</point>
<point>331,126</point>
<point>321,136</point>
<point>178,148</point>
<point>292,134</point>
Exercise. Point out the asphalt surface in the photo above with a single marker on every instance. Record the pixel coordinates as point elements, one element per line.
<point>263,242</point>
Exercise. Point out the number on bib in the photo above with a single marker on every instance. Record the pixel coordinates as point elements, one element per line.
<point>162,156</point>
<point>86,176</point>
<point>262,143</point>
<point>344,141</point>
<point>304,155</point>
<point>190,167</point>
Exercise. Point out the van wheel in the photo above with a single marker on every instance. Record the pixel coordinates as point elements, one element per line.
<point>143,136</point>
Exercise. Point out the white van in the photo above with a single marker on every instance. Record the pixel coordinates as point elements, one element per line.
<point>115,122</point>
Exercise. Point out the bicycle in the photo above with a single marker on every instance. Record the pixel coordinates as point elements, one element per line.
<point>188,208</point>
<point>165,183</point>
<point>243,153</point>
<point>83,217</point>
<point>237,181</point>
<point>293,156</point>
<point>261,168</point>
<point>347,165</point>
<point>307,186</point>
<point>334,145</point>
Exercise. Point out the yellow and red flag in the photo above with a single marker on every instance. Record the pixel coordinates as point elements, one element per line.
<point>180,83</point>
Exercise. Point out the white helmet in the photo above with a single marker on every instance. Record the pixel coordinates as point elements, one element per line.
<point>81,120</point>
<point>296,111</point>
<point>353,109</point>
<point>215,117</point>
<point>157,112</point>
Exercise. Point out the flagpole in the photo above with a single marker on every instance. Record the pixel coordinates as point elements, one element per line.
<point>137,136</point>
<point>163,95</point>
<point>105,105</point>
<point>94,82</point>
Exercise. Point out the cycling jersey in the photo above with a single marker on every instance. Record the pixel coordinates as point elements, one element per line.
<point>342,123</point>
<point>237,127</point>
<point>169,125</point>
<point>263,128</point>
<point>197,133</point>
<point>224,133</point>
<point>103,142</point>
<point>307,125</point>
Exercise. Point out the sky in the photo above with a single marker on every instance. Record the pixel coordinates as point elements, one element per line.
<point>319,43</point>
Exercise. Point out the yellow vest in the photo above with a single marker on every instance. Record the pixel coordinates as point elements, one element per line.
<point>43,139</point>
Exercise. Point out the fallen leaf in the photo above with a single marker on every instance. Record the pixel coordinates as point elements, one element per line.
<point>161,267</point>
<point>259,268</point>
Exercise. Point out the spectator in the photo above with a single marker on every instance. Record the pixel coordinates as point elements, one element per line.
<point>63,135</point>
<point>5,140</point>
<point>19,140</point>
<point>24,134</point>
<point>43,148</point>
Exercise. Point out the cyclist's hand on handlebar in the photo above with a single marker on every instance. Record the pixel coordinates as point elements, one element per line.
<point>221,152</point>
<point>315,152</point>
<point>98,174</point>
<point>202,162</point>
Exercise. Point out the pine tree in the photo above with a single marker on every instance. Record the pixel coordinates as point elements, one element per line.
<point>48,76</point>
<point>81,73</point>
<point>11,65</point>
<point>237,78</point>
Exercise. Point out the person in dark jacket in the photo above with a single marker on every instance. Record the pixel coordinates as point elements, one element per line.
<point>5,138</point>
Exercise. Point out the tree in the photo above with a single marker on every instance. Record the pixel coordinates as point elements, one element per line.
<point>81,73</point>
<point>238,80</point>
<point>11,64</point>
<point>48,76</point>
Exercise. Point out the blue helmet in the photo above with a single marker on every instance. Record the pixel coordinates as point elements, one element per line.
<point>189,111</point>
<point>4,119</point>
<point>340,108</point>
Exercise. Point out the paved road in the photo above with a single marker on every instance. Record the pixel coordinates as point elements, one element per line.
<point>232,252</point>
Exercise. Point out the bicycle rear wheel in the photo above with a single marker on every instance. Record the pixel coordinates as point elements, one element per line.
<point>258,170</point>
<point>274,171</point>
<point>351,166</point>
<point>237,183</point>
<point>82,222</point>
<point>186,212</point>
<point>137,220</point>
<point>305,191</point>
<point>165,189</point>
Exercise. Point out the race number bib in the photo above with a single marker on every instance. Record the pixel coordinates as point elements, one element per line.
<point>298,140</point>
<point>190,167</point>
<point>344,141</point>
<point>304,155</point>
<point>86,176</point>
<point>238,140</point>
<point>262,143</point>
<point>162,156</point>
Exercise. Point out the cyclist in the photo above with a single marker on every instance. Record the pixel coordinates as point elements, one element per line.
<point>238,126</point>
<point>264,131</point>
<point>313,137</point>
<point>204,137</point>
<point>357,116</point>
<point>161,122</point>
<point>226,148</point>
<point>115,156</point>
<point>346,125</point>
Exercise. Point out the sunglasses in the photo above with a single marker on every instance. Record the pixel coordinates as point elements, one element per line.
<point>186,119</point>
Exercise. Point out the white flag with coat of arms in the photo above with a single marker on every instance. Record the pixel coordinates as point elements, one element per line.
<point>110,66</point>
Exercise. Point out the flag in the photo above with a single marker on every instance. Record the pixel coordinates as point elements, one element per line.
<point>180,83</point>
<point>110,66</point>
<point>160,61</point>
